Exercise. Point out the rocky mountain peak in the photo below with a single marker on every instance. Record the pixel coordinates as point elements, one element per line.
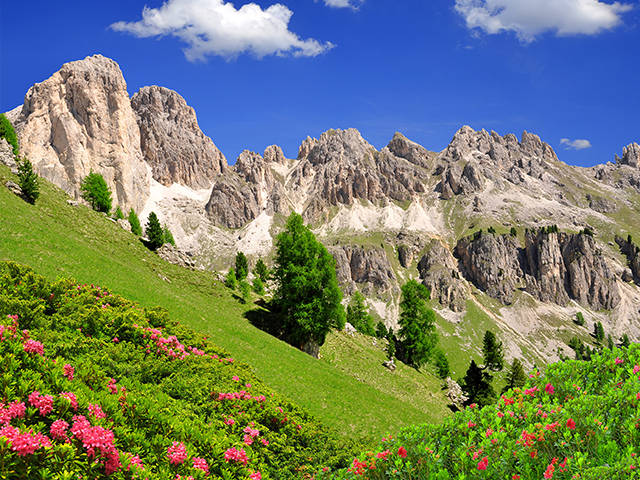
<point>172,142</point>
<point>402,147</point>
<point>274,154</point>
<point>630,155</point>
<point>80,119</point>
<point>343,146</point>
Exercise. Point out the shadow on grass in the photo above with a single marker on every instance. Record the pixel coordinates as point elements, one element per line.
<point>265,319</point>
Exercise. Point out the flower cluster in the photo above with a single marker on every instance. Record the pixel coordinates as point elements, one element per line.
<point>177,453</point>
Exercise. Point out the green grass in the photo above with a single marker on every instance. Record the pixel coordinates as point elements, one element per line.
<point>60,240</point>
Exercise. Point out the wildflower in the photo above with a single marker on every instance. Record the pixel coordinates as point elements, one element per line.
<point>549,471</point>
<point>96,411</point>
<point>33,346</point>
<point>111,386</point>
<point>571,424</point>
<point>44,403</point>
<point>247,439</point>
<point>383,455</point>
<point>134,460</point>
<point>229,421</point>
<point>68,371</point>
<point>549,389</point>
<point>58,430</point>
<point>470,424</point>
<point>72,399</point>
<point>201,464</point>
<point>402,452</point>
<point>482,464</point>
<point>236,455</point>
<point>235,378</point>
<point>256,476</point>
<point>636,369</point>
<point>177,453</point>
<point>619,361</point>
<point>264,441</point>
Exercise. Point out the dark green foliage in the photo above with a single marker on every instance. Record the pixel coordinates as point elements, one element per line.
<point>358,315</point>
<point>9,134</point>
<point>629,239</point>
<point>609,342</point>
<point>258,286</point>
<point>231,281</point>
<point>624,341</point>
<point>134,221</point>
<point>513,232</point>
<point>245,290</point>
<point>442,364</point>
<point>477,385</point>
<point>578,347</point>
<point>261,270</point>
<point>96,192</point>
<point>381,330</point>
<point>598,332</point>
<point>153,231</point>
<point>167,236</point>
<point>551,229</point>
<point>492,352</point>
<point>579,320</point>
<point>28,180</point>
<point>417,325</point>
<point>491,230</point>
<point>118,215</point>
<point>307,294</point>
<point>391,346</point>
<point>242,266</point>
<point>477,235</point>
<point>516,378</point>
<point>587,231</point>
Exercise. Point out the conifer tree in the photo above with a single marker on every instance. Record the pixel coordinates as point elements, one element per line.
<point>624,341</point>
<point>134,221</point>
<point>442,364</point>
<point>245,290</point>
<point>95,191</point>
<point>258,286</point>
<point>118,215</point>
<point>492,352</point>
<point>28,180</point>
<point>358,316</point>
<point>242,266</point>
<point>477,385</point>
<point>167,236</point>
<point>417,325</point>
<point>516,378</point>
<point>154,233</point>
<point>381,330</point>
<point>598,332</point>
<point>230,280</point>
<point>261,270</point>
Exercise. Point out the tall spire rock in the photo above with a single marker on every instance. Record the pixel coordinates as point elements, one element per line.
<point>80,120</point>
<point>172,142</point>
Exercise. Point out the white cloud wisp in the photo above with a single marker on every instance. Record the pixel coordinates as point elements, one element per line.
<point>353,4</point>
<point>578,144</point>
<point>216,27</point>
<point>529,18</point>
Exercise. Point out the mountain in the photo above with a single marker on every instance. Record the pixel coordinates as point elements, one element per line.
<point>505,235</point>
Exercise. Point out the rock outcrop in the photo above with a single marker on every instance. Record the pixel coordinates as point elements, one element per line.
<point>176,256</point>
<point>79,120</point>
<point>439,273</point>
<point>368,267</point>
<point>172,142</point>
<point>632,252</point>
<point>6,156</point>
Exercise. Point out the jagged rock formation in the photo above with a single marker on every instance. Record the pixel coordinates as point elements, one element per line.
<point>439,273</point>
<point>172,142</point>
<point>369,268</point>
<point>6,156</point>
<point>632,252</point>
<point>553,267</point>
<point>176,256</point>
<point>630,155</point>
<point>80,119</point>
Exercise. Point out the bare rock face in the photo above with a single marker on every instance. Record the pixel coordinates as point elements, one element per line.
<point>172,142</point>
<point>402,147</point>
<point>632,252</point>
<point>368,267</point>
<point>545,267</point>
<point>630,155</point>
<point>80,119</point>
<point>6,156</point>
<point>439,273</point>
<point>176,256</point>
<point>493,263</point>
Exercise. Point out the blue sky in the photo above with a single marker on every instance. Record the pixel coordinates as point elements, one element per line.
<point>270,73</point>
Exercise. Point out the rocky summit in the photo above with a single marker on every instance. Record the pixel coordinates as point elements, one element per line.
<point>493,224</point>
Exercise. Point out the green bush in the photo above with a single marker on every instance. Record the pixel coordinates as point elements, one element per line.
<point>231,280</point>
<point>9,134</point>
<point>134,221</point>
<point>167,236</point>
<point>358,315</point>
<point>95,191</point>
<point>242,266</point>
<point>28,180</point>
<point>261,270</point>
<point>118,215</point>
<point>258,286</point>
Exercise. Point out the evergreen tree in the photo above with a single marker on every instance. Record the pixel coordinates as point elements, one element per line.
<point>491,230</point>
<point>516,378</point>
<point>230,281</point>
<point>245,290</point>
<point>477,385</point>
<point>118,215</point>
<point>417,324</point>
<point>381,330</point>
<point>28,180</point>
<point>624,341</point>
<point>153,231</point>
<point>258,286</point>
<point>96,192</point>
<point>391,346</point>
<point>358,316</point>
<point>167,236</point>
<point>610,342</point>
<point>242,266</point>
<point>513,232</point>
<point>579,319</point>
<point>9,134</point>
<point>307,294</point>
<point>598,332</point>
<point>492,352</point>
<point>261,270</point>
<point>442,364</point>
<point>134,221</point>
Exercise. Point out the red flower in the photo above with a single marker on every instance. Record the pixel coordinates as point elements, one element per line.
<point>402,452</point>
<point>482,464</point>
<point>571,424</point>
<point>549,472</point>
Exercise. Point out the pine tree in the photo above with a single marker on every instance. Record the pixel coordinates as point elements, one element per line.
<point>242,266</point>
<point>167,236</point>
<point>492,352</point>
<point>417,325</point>
<point>134,221</point>
<point>358,316</point>
<point>516,378</point>
<point>579,319</point>
<point>245,290</point>
<point>307,295</point>
<point>477,385</point>
<point>261,270</point>
<point>513,232</point>
<point>258,286</point>
<point>230,281</point>
<point>28,180</point>
<point>381,330</point>
<point>118,215</point>
<point>624,341</point>
<point>154,233</point>
<point>96,192</point>
<point>598,332</point>
<point>442,364</point>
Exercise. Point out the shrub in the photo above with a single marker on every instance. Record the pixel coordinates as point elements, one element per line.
<point>258,286</point>
<point>134,221</point>
<point>154,232</point>
<point>245,290</point>
<point>9,134</point>
<point>579,320</point>
<point>381,330</point>
<point>477,385</point>
<point>442,364</point>
<point>118,215</point>
<point>28,180</point>
<point>261,270</point>
<point>513,232</point>
<point>167,236</point>
<point>95,191</point>
<point>598,332</point>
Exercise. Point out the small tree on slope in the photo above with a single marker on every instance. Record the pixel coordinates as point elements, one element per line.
<point>134,221</point>
<point>28,180</point>
<point>417,325</point>
<point>492,351</point>
<point>242,266</point>
<point>154,233</point>
<point>96,192</point>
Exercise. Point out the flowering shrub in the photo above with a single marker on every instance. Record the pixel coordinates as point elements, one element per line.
<point>580,420</point>
<point>161,402</point>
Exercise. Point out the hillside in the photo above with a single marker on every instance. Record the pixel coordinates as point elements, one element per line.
<point>347,393</point>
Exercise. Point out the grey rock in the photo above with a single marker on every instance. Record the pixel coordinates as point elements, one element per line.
<point>350,329</point>
<point>390,364</point>
<point>630,155</point>
<point>172,142</point>
<point>367,267</point>
<point>455,394</point>
<point>405,256</point>
<point>73,203</point>
<point>601,204</point>
<point>439,273</point>
<point>14,188</point>
<point>176,256</point>
<point>6,155</point>
<point>124,224</point>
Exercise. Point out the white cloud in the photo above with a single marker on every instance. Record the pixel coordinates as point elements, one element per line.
<point>354,4</point>
<point>530,18</point>
<point>578,144</point>
<point>216,27</point>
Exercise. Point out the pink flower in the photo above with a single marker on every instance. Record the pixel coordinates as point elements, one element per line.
<point>571,425</point>
<point>24,443</point>
<point>68,371</point>
<point>229,421</point>
<point>33,346</point>
<point>201,464</point>
<point>235,378</point>
<point>549,389</point>
<point>636,369</point>
<point>470,424</point>
<point>251,431</point>
<point>236,455</point>
<point>177,453</point>
<point>264,441</point>
<point>247,439</point>
<point>16,409</point>
<point>72,399</point>
<point>111,386</point>
<point>44,403</point>
<point>256,476</point>
<point>402,452</point>
<point>549,471</point>
<point>482,464</point>
<point>96,411</point>
<point>619,361</point>
<point>58,430</point>
<point>134,460</point>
